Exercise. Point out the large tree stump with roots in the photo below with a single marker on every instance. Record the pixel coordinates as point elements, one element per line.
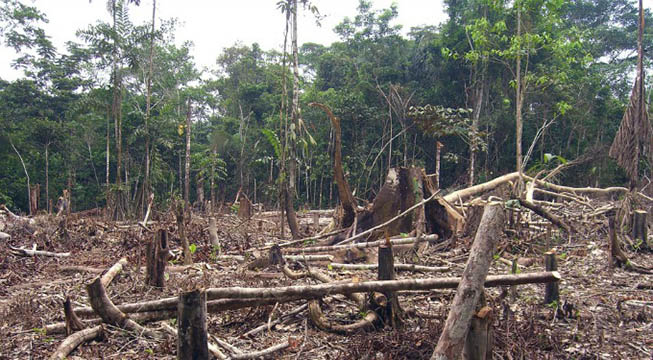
<point>157,254</point>
<point>192,339</point>
<point>404,188</point>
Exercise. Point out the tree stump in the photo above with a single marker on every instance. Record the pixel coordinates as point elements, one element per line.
<point>640,228</point>
<point>244,208</point>
<point>480,337</point>
<point>192,339</point>
<point>391,312</point>
<point>157,256</point>
<point>551,292</point>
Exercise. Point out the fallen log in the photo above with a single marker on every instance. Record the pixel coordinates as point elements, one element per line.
<point>470,288</point>
<point>110,314</point>
<point>76,339</point>
<point>321,290</point>
<point>401,267</point>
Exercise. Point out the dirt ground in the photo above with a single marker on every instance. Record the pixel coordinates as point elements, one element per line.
<point>603,313</point>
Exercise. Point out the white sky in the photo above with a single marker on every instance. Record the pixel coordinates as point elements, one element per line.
<point>215,24</point>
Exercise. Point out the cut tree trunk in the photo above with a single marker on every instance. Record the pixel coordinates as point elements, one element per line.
<point>192,339</point>
<point>470,288</point>
<point>640,227</point>
<point>157,254</point>
<point>213,233</point>
<point>391,313</point>
<point>551,291</point>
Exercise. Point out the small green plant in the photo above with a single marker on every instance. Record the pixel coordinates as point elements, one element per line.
<point>234,208</point>
<point>562,256</point>
<point>192,248</point>
<point>404,235</point>
<point>553,304</point>
<point>149,351</point>
<point>40,331</point>
<point>330,267</point>
<point>362,314</point>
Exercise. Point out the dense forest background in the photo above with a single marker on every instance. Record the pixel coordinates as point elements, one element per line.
<point>110,113</point>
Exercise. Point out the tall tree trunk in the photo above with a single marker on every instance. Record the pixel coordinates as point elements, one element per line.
<point>47,179</point>
<point>108,169</point>
<point>213,199</point>
<point>116,104</point>
<point>148,104</point>
<point>29,197</point>
<point>518,104</point>
<point>295,111</point>
<point>187,169</point>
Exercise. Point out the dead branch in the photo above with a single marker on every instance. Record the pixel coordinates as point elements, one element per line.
<point>262,353</point>
<point>281,319</point>
<point>113,271</point>
<point>547,215</point>
<point>34,252</point>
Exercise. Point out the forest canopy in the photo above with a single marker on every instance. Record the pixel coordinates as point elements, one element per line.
<point>111,114</point>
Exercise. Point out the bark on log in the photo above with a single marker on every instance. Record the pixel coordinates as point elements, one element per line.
<point>468,293</point>
<point>157,254</point>
<point>110,314</point>
<point>192,339</point>
<point>76,339</point>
